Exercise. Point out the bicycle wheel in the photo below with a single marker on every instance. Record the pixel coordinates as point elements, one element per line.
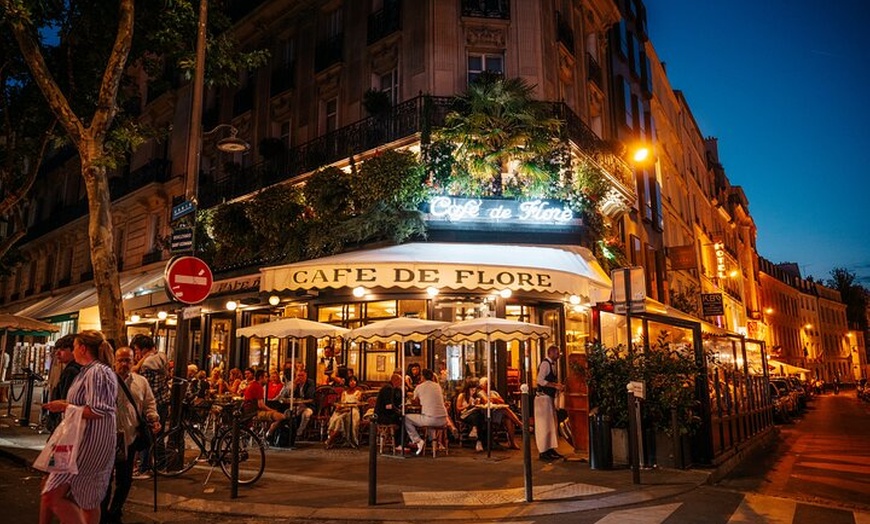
<point>252,455</point>
<point>174,454</point>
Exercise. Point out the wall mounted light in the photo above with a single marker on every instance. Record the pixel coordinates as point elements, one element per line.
<point>574,299</point>
<point>274,300</point>
<point>432,291</point>
<point>135,318</point>
<point>359,292</point>
<point>161,315</point>
<point>505,293</point>
<point>231,305</point>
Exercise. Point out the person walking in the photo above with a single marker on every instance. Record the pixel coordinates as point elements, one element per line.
<point>143,406</point>
<point>546,434</point>
<point>63,353</point>
<point>154,366</point>
<point>77,497</point>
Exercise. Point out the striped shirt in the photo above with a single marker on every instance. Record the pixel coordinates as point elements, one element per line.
<point>96,386</point>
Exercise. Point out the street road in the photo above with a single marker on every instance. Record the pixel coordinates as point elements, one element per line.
<point>817,472</point>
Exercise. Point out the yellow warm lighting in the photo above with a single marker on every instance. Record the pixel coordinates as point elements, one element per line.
<point>135,318</point>
<point>574,299</point>
<point>733,273</point>
<point>432,291</point>
<point>231,305</point>
<point>641,154</point>
<point>162,315</point>
<point>359,292</point>
<point>769,310</point>
<point>274,300</point>
<point>505,293</point>
<point>808,326</point>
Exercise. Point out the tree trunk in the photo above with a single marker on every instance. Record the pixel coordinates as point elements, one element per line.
<point>105,264</point>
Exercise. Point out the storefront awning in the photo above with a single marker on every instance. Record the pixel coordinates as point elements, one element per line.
<point>562,270</point>
<point>81,297</point>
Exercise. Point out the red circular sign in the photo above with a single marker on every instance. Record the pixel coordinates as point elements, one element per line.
<point>188,279</point>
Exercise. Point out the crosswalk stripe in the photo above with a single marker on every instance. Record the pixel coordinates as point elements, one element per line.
<point>646,515</point>
<point>758,508</point>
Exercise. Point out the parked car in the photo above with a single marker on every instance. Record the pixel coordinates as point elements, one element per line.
<point>795,384</point>
<point>781,403</point>
<point>787,391</point>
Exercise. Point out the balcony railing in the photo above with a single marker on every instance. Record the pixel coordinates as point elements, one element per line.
<point>328,52</point>
<point>403,120</point>
<point>487,9</point>
<point>385,22</point>
<point>564,33</point>
<point>155,171</point>
<point>418,115</point>
<point>243,100</point>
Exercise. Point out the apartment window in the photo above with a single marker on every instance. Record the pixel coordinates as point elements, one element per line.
<point>636,251</point>
<point>625,107</point>
<point>156,224</point>
<point>48,275</point>
<point>478,63</point>
<point>389,84</point>
<point>330,115</point>
<point>622,38</point>
<point>333,23</point>
<point>284,133</point>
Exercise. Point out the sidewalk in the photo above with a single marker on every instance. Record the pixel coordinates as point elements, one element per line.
<point>315,483</point>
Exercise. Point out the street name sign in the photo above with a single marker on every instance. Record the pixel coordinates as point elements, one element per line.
<point>181,240</point>
<point>181,210</point>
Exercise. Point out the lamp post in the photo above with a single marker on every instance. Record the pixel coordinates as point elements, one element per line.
<point>232,144</point>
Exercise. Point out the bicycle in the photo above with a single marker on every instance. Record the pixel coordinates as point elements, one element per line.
<point>179,448</point>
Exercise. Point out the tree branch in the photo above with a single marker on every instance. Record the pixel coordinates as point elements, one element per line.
<point>39,69</point>
<point>106,104</point>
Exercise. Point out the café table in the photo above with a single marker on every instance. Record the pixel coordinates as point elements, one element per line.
<point>349,436</point>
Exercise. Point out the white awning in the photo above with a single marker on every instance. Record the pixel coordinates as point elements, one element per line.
<point>85,296</point>
<point>562,270</point>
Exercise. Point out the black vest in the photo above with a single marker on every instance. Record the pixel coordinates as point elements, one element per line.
<point>550,377</point>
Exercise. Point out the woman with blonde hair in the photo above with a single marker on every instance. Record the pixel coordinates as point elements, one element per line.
<point>76,498</point>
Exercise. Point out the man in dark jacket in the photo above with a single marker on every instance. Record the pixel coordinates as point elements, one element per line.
<point>388,406</point>
<point>63,352</point>
<point>303,398</point>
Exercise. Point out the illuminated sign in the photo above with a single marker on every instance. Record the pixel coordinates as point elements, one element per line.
<point>721,266</point>
<point>499,211</point>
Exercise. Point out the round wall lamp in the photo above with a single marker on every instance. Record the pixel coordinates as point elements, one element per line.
<point>574,300</point>
<point>359,292</point>
<point>505,293</point>
<point>231,305</point>
<point>274,300</point>
<point>432,291</point>
<point>162,315</point>
<point>135,318</point>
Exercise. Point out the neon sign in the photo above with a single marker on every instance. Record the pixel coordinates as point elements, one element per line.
<point>458,209</point>
<point>721,266</point>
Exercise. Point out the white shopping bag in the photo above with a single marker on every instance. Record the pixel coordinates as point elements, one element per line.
<point>60,452</point>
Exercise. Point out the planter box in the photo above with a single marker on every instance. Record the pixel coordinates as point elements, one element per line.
<point>669,457</point>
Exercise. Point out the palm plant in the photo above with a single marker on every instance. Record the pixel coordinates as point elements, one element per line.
<point>501,134</point>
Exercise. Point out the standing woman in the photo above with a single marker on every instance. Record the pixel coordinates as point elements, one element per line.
<point>76,498</point>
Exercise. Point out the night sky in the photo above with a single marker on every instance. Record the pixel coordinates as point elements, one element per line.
<point>785,87</point>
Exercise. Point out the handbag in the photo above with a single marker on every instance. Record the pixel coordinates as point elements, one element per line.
<point>62,449</point>
<point>143,431</point>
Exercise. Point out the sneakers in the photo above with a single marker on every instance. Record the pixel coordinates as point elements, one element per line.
<point>420,447</point>
<point>142,475</point>
<point>472,433</point>
<point>478,446</point>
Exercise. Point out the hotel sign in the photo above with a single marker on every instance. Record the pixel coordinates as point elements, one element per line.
<point>489,213</point>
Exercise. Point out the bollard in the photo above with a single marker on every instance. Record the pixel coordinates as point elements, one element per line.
<point>373,461</point>
<point>633,438</point>
<point>32,377</point>
<point>527,442</point>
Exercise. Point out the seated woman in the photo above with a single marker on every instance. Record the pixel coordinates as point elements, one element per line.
<point>273,391</point>
<point>345,416</point>
<point>234,381</point>
<point>502,416</point>
<point>216,383</point>
<point>412,378</point>
<point>469,413</point>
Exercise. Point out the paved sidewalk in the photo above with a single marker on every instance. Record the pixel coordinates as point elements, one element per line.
<point>311,482</point>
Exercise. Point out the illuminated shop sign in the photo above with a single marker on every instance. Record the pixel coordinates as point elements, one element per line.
<point>418,276</point>
<point>721,266</point>
<point>500,212</point>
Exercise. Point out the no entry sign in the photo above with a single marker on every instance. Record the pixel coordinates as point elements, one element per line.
<point>188,279</point>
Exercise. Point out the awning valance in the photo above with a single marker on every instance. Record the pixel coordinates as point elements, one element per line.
<point>487,267</point>
<point>85,296</point>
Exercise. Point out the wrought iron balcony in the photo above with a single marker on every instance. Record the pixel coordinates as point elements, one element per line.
<point>487,9</point>
<point>385,22</point>
<point>417,115</point>
<point>564,33</point>
<point>328,52</point>
<point>156,171</point>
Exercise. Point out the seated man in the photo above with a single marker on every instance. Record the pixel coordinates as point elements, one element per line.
<point>388,406</point>
<point>255,398</point>
<point>303,389</point>
<point>433,413</point>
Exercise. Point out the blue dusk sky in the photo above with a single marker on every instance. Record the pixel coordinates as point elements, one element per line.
<point>785,87</point>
